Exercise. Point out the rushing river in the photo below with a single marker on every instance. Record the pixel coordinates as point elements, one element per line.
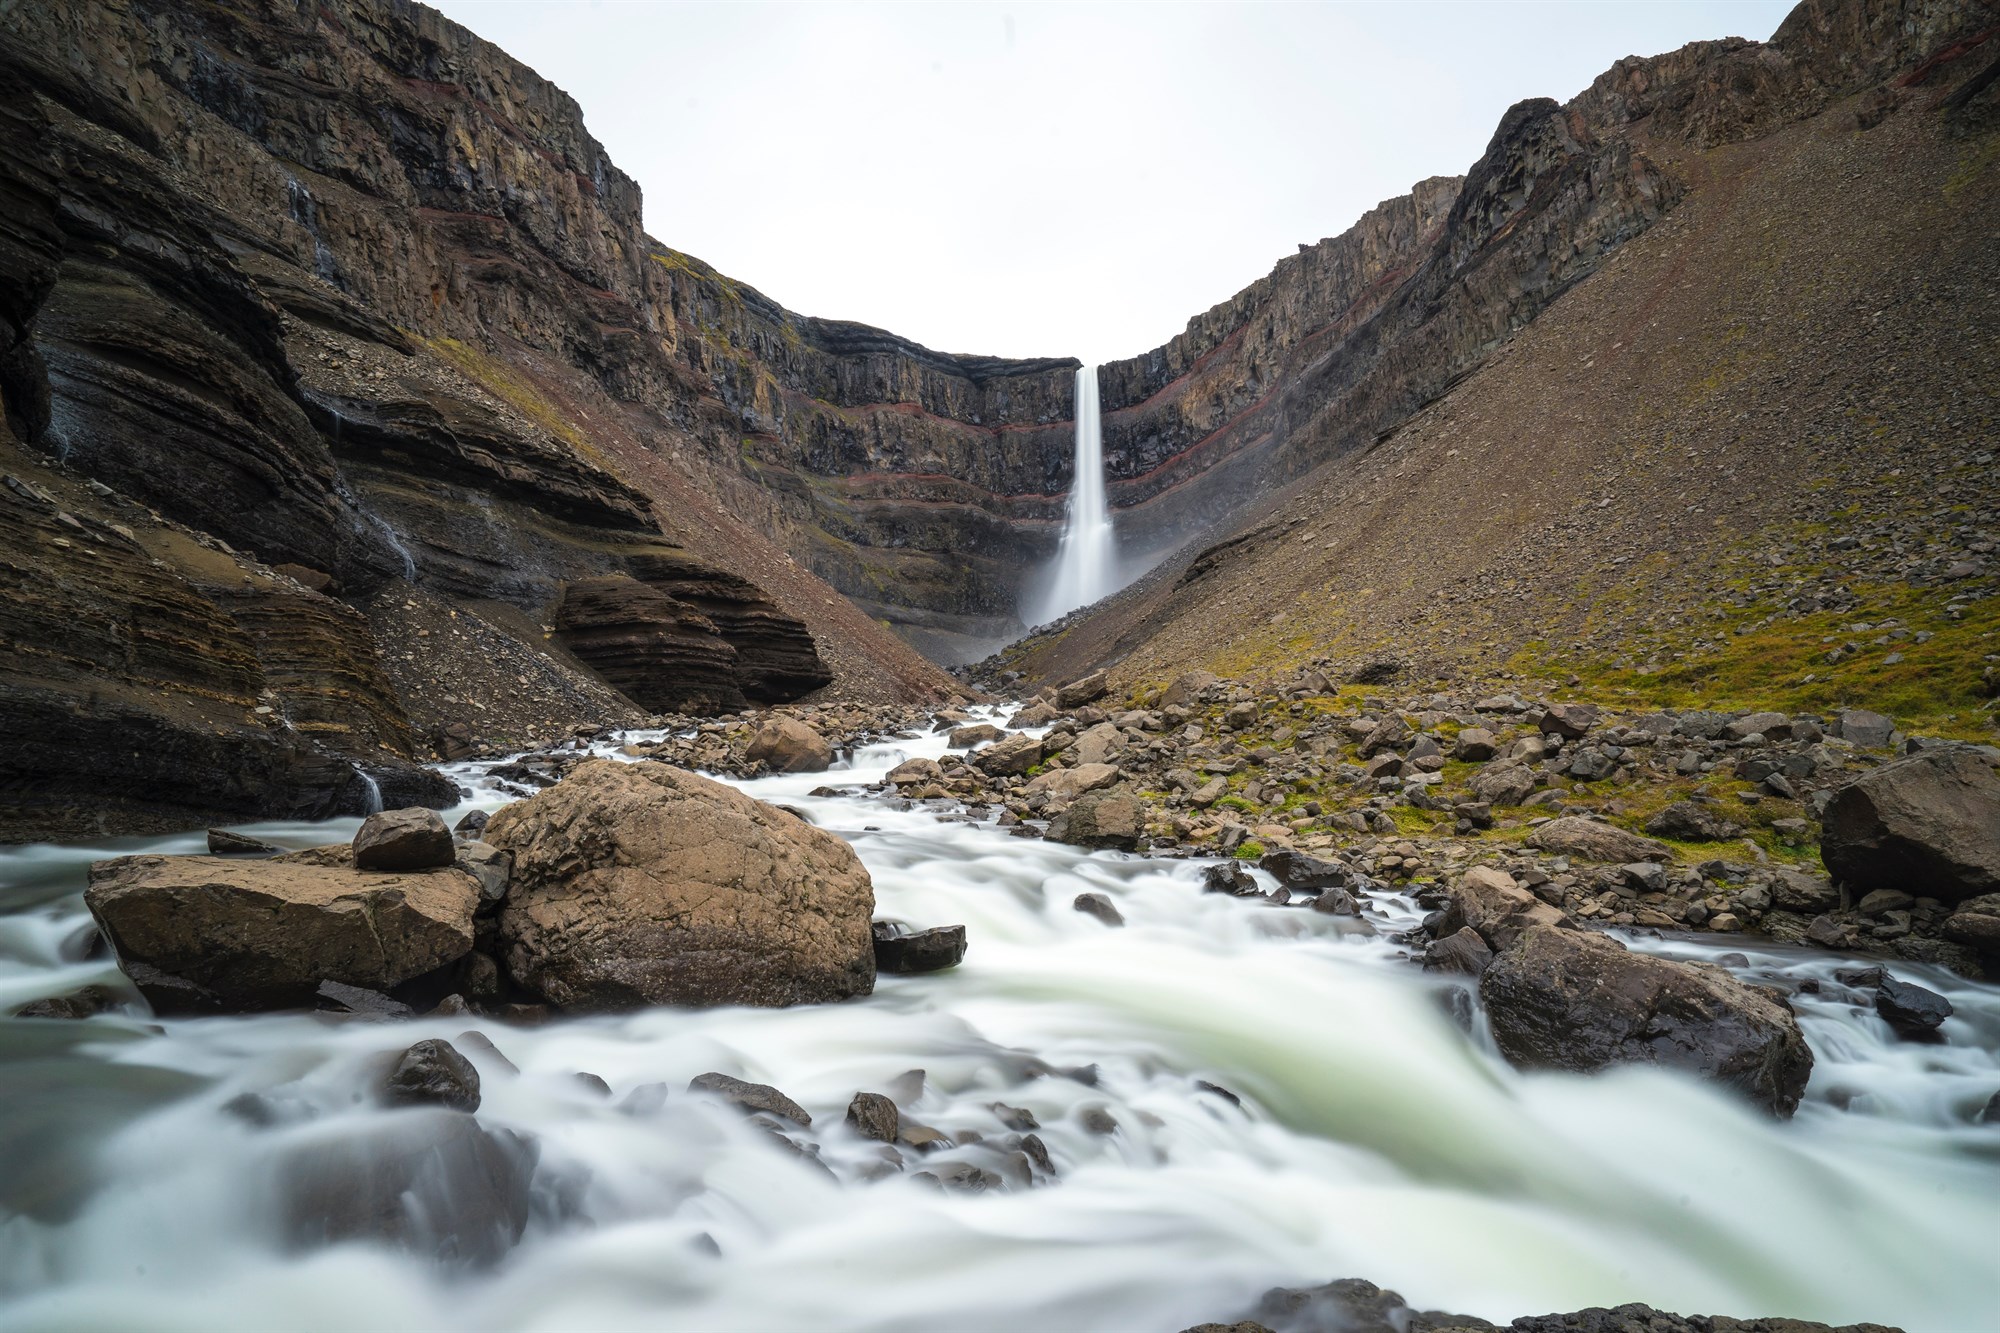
<point>1374,1139</point>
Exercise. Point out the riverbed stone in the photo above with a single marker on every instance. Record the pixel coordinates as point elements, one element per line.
<point>1494,907</point>
<point>1565,999</point>
<point>873,1116</point>
<point>204,933</point>
<point>907,952</point>
<point>787,745</point>
<point>751,1098</point>
<point>412,838</point>
<point>1928,825</point>
<point>432,1072</point>
<point>642,884</point>
<point>1099,906</point>
<point>1100,819</point>
<point>1008,758</point>
<point>979,733</point>
<point>1912,1010</point>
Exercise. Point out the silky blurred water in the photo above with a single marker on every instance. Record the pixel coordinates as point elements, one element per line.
<point>1374,1138</point>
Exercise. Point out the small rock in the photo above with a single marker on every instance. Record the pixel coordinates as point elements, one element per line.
<point>221,842</point>
<point>904,952</point>
<point>1229,877</point>
<point>433,1073</point>
<point>751,1097</point>
<point>873,1116</point>
<point>1099,906</point>
<point>1910,1009</point>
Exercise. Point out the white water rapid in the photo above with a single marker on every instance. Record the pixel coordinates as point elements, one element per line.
<point>1086,565</point>
<point>1374,1138</point>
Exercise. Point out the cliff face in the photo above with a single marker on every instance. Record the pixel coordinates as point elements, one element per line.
<point>341,326</point>
<point>1746,462</point>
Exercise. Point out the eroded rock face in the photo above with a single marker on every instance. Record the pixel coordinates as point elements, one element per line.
<point>205,934</point>
<point>658,653</point>
<point>638,884</point>
<point>1563,999</point>
<point>1928,825</point>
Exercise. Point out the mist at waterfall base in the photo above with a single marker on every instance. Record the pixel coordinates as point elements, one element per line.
<point>1374,1137</point>
<point>1086,566</point>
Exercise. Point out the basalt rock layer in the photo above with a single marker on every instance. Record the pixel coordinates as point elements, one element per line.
<point>344,323</point>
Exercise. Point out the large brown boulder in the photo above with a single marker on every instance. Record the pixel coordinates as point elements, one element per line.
<point>1565,999</point>
<point>1101,819</point>
<point>1496,908</point>
<point>1017,754</point>
<point>1588,840</point>
<point>1928,825</point>
<point>787,745</point>
<point>638,884</point>
<point>201,933</point>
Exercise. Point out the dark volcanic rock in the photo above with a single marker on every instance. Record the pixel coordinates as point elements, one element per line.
<point>751,1097</point>
<point>1561,999</point>
<point>433,1072</point>
<point>1927,825</point>
<point>639,884</point>
<point>1296,870</point>
<point>1909,1008</point>
<point>433,1182</point>
<point>1099,906</point>
<point>660,654</point>
<point>1229,877</point>
<point>900,950</point>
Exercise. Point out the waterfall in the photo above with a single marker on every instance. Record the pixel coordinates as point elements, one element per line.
<point>372,788</point>
<point>1086,562</point>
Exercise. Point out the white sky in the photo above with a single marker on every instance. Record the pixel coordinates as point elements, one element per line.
<point>1051,180</point>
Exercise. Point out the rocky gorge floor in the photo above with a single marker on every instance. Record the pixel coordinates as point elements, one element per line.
<point>516,941</point>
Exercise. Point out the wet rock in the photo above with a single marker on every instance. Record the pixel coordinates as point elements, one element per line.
<point>1335,901</point>
<point>980,733</point>
<point>1563,999</point>
<point>1463,951</point>
<point>786,745</point>
<point>1928,824</point>
<point>1100,819</point>
<point>966,1178</point>
<point>751,1098</point>
<point>221,842</point>
<point>1909,1008</point>
<point>85,1003</point>
<point>1684,821</point>
<point>1008,758</point>
<point>471,824</point>
<point>483,1050</point>
<point>1351,1306</point>
<point>1296,870</point>
<point>915,773</point>
<point>640,884</point>
<point>1097,1120</point>
<point>1099,906</point>
<point>398,840</point>
<point>1016,1118</point>
<point>905,952</point>
<point>432,1182</point>
<point>1588,840</point>
<point>1495,908</point>
<point>433,1073</point>
<point>1231,878</point>
<point>200,932</point>
<point>873,1116</point>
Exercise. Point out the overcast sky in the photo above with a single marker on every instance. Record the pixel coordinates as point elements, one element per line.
<point>1051,180</point>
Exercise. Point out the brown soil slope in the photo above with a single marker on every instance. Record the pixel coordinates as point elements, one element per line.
<point>1751,456</point>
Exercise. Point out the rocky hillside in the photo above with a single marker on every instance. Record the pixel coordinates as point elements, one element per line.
<point>1747,458</point>
<point>352,418</point>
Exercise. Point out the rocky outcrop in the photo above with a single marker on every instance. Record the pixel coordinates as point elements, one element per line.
<point>638,884</point>
<point>659,653</point>
<point>1927,826</point>
<point>348,293</point>
<point>1563,999</point>
<point>204,934</point>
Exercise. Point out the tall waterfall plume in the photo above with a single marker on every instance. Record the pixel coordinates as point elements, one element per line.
<point>1086,565</point>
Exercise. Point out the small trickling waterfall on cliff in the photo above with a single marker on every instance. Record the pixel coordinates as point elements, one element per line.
<point>1086,565</point>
